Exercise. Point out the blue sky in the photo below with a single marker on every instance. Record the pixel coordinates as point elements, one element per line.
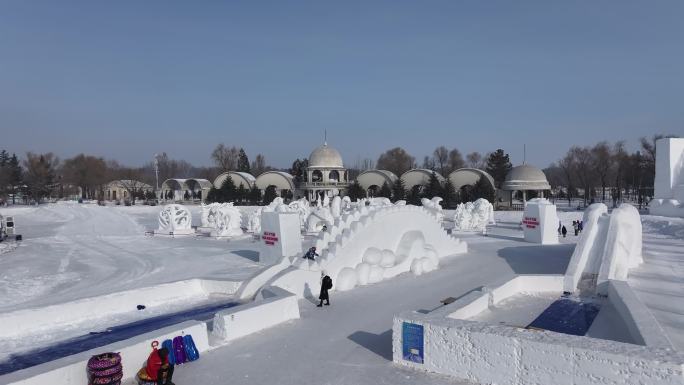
<point>126,79</point>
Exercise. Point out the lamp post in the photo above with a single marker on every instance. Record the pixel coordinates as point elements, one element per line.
<point>156,171</point>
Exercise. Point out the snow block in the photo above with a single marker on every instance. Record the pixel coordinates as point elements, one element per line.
<point>275,307</point>
<point>281,236</point>
<point>540,222</point>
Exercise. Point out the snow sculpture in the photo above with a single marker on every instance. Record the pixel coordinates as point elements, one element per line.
<point>319,217</point>
<point>375,202</point>
<point>175,219</point>
<point>609,246</point>
<point>303,208</point>
<point>253,224</point>
<point>346,204</point>
<point>474,216</point>
<point>669,178</point>
<point>336,207</point>
<point>433,206</point>
<point>223,219</point>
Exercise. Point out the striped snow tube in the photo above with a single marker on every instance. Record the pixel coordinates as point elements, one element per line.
<point>105,369</point>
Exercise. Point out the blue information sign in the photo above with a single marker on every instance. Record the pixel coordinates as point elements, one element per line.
<point>412,342</point>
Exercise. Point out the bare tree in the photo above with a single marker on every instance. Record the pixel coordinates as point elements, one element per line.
<point>225,158</point>
<point>441,159</point>
<point>455,161</point>
<point>567,165</point>
<point>258,165</point>
<point>584,169</point>
<point>396,160</point>
<point>476,160</point>
<point>602,160</point>
<point>87,172</point>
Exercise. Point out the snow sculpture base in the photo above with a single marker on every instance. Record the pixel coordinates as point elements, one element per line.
<point>280,236</point>
<point>540,222</point>
<point>669,178</point>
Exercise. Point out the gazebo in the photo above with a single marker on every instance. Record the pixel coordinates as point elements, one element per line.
<point>525,178</point>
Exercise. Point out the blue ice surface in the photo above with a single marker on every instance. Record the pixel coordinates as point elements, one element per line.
<point>567,316</point>
<point>110,335</point>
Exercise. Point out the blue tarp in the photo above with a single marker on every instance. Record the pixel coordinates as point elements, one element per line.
<point>567,316</point>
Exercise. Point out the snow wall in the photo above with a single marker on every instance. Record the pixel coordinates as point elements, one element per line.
<point>483,353</point>
<point>365,246</point>
<point>609,246</point>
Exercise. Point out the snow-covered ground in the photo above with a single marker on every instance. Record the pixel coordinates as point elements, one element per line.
<point>73,251</point>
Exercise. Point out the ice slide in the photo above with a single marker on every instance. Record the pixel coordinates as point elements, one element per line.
<point>609,246</point>
<point>365,246</point>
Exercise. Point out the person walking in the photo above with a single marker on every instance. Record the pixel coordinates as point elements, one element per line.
<point>564,231</point>
<point>575,227</point>
<point>580,225</point>
<point>326,284</point>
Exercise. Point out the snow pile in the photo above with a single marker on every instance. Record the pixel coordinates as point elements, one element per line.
<point>609,246</point>
<point>223,219</point>
<point>175,219</point>
<point>474,216</point>
<point>433,206</point>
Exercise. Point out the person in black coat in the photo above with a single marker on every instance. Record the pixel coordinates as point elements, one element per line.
<point>564,231</point>
<point>326,284</point>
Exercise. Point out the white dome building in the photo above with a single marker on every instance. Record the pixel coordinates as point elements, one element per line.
<point>326,173</point>
<point>525,178</point>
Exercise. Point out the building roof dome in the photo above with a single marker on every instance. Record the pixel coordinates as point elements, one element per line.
<point>325,156</point>
<point>525,177</point>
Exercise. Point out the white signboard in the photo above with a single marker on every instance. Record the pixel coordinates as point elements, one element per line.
<point>280,236</point>
<point>540,222</point>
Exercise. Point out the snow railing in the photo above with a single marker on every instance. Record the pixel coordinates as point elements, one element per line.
<point>276,306</point>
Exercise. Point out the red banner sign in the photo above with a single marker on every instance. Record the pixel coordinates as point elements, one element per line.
<point>530,223</point>
<point>269,238</point>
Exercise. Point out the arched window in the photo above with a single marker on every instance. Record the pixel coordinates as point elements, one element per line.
<point>334,176</point>
<point>317,176</point>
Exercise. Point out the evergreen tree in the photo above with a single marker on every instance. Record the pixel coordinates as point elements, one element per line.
<point>270,194</point>
<point>466,194</point>
<point>450,198</point>
<point>398,191</point>
<point>4,158</point>
<point>355,191</point>
<point>242,193</point>
<point>483,189</point>
<point>254,195</point>
<point>228,192</point>
<point>498,166</point>
<point>413,197</point>
<point>385,191</point>
<point>298,170</point>
<point>243,161</point>
<point>433,188</point>
<point>213,195</point>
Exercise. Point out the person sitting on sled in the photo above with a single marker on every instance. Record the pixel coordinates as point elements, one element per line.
<point>311,254</point>
<point>158,369</point>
